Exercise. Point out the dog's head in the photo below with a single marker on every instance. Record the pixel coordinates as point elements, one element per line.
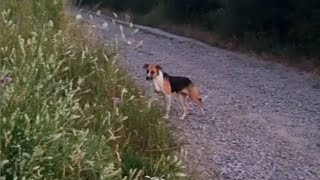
<point>152,70</point>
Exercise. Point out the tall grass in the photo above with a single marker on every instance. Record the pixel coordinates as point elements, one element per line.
<point>58,117</point>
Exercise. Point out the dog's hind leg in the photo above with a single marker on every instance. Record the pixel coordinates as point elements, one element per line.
<point>181,98</point>
<point>199,102</point>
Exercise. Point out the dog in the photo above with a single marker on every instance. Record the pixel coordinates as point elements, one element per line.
<point>169,85</point>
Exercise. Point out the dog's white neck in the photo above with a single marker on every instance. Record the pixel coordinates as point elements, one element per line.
<point>158,81</point>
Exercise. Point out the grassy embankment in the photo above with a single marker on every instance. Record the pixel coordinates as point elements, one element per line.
<point>58,119</point>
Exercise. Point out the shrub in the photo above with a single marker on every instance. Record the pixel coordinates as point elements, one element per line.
<point>284,23</point>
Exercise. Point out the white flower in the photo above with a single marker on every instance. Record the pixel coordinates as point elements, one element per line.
<point>115,15</point>
<point>34,34</point>
<point>132,97</point>
<point>135,31</point>
<point>50,23</point>
<point>139,44</point>
<point>78,16</point>
<point>124,90</point>
<point>105,25</point>
<point>180,174</point>
<point>99,13</point>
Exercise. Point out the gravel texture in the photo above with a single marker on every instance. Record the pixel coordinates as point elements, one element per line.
<point>262,121</point>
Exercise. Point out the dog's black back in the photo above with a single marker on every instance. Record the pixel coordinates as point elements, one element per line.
<point>177,83</point>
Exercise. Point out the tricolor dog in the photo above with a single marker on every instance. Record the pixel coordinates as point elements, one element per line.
<point>169,85</point>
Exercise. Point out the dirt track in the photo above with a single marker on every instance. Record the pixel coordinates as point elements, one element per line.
<point>263,119</point>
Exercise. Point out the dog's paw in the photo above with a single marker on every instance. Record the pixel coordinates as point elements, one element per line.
<point>203,112</point>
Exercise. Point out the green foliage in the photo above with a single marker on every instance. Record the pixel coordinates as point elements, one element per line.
<point>285,24</point>
<point>58,119</point>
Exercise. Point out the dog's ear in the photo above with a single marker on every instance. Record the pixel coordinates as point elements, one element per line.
<point>145,66</point>
<point>158,67</point>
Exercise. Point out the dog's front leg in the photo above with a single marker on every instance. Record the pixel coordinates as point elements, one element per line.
<point>154,97</point>
<point>168,99</point>
<point>152,92</point>
<point>151,100</point>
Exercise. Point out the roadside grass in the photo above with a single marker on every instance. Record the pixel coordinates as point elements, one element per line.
<point>59,119</point>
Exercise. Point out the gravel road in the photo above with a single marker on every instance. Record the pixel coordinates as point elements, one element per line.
<point>262,121</point>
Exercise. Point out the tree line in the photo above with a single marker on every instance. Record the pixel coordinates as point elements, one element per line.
<point>289,26</point>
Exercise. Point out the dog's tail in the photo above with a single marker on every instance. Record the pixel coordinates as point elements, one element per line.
<point>193,93</point>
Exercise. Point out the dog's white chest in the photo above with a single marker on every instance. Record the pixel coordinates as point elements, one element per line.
<point>158,82</point>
